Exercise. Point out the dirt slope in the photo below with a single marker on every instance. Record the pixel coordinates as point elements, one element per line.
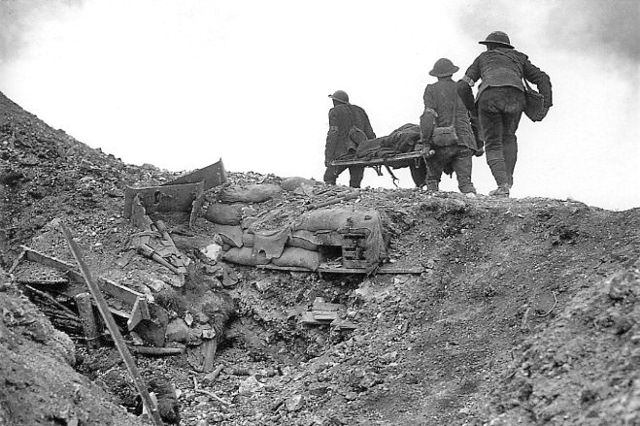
<point>526,313</point>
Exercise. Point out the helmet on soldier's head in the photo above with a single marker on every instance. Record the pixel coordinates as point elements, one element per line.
<point>340,96</point>
<point>443,68</point>
<point>499,38</point>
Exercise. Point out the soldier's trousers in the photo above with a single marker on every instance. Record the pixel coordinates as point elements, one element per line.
<point>499,111</point>
<point>454,158</point>
<point>356,173</point>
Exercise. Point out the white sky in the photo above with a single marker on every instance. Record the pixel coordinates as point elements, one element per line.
<point>180,84</point>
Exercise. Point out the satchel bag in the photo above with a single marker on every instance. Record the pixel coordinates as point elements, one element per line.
<point>446,136</point>
<point>534,102</point>
<point>534,107</point>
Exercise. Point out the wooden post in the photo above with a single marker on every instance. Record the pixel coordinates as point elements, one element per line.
<point>89,324</point>
<point>209,348</point>
<point>113,329</point>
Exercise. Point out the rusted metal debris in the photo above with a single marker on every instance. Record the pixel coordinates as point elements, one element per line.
<point>212,175</point>
<point>155,242</point>
<point>170,198</point>
<point>323,313</point>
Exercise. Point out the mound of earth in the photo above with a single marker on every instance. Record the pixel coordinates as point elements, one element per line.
<point>526,310</point>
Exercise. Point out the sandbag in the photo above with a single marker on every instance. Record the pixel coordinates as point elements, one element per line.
<point>244,256</point>
<point>224,214</point>
<point>257,193</point>
<point>271,243</point>
<point>333,219</point>
<point>299,257</point>
<point>230,234</point>
<point>303,239</point>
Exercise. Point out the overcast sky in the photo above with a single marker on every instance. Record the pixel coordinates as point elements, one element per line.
<point>182,83</point>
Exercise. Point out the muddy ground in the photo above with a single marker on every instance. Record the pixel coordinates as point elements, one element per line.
<point>526,313</point>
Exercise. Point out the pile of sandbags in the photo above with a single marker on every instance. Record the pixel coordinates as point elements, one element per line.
<point>287,236</point>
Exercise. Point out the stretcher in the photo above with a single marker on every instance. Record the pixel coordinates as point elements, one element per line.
<point>397,161</point>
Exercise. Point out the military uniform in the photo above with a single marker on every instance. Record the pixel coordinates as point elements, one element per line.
<point>348,126</point>
<point>439,99</point>
<point>500,101</point>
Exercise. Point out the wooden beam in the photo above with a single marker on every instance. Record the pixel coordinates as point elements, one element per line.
<point>113,329</point>
<point>88,319</point>
<point>119,291</point>
<point>153,351</point>
<point>139,312</point>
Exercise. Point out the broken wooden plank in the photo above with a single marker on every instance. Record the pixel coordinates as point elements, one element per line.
<point>343,324</point>
<point>212,175</point>
<point>320,305</point>
<point>209,349</point>
<point>35,256</point>
<point>308,318</point>
<point>116,290</point>
<point>324,315</point>
<point>114,330</point>
<point>284,268</point>
<point>139,312</point>
<point>153,351</point>
<point>18,260</point>
<point>381,270</point>
<point>88,318</point>
<point>119,291</point>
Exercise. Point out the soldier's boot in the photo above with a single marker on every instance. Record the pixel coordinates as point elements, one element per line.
<point>501,192</point>
<point>433,186</point>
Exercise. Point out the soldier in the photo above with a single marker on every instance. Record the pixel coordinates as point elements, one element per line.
<point>500,102</point>
<point>348,126</point>
<point>443,108</point>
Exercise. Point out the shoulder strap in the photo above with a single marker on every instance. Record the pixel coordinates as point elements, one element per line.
<point>526,83</point>
<point>455,106</point>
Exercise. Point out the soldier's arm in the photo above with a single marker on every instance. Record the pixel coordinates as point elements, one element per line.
<point>540,79</point>
<point>332,139</point>
<point>465,84</point>
<point>368,130</point>
<point>428,117</point>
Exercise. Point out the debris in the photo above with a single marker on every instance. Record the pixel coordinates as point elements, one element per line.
<point>177,331</point>
<point>249,385</point>
<point>210,176</point>
<point>209,349</point>
<point>163,198</point>
<point>114,330</point>
<point>89,324</point>
<point>325,313</point>
<point>294,403</point>
<point>153,351</point>
<point>211,377</point>
<point>257,193</point>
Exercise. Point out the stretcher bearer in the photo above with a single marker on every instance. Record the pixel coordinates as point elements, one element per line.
<point>348,126</point>
<point>446,128</point>
<point>500,102</point>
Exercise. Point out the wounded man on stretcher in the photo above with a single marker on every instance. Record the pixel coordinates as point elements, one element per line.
<point>401,148</point>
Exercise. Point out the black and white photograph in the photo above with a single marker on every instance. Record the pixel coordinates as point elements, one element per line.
<point>319,213</point>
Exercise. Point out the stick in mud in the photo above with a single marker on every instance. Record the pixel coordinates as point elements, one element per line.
<point>113,329</point>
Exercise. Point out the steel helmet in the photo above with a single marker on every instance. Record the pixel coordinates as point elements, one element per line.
<point>443,68</point>
<point>340,96</point>
<point>499,38</point>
